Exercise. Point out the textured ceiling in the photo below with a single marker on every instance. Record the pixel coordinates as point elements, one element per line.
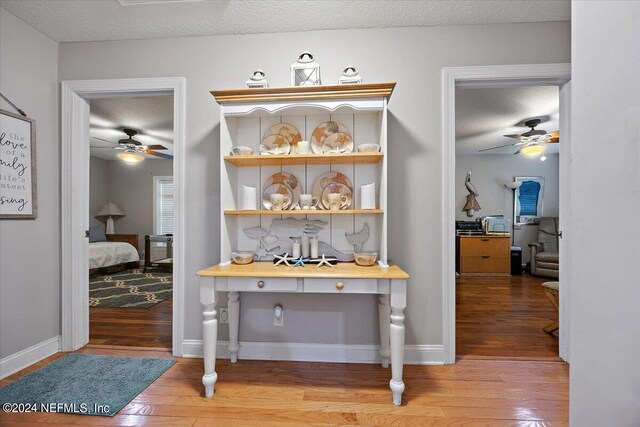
<point>483,116</point>
<point>92,20</point>
<point>151,116</point>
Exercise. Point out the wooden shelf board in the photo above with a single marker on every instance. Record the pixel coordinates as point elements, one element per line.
<point>305,93</point>
<point>304,212</point>
<point>304,159</point>
<point>344,270</point>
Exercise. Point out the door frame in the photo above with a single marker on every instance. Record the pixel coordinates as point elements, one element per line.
<point>492,76</point>
<point>75,197</point>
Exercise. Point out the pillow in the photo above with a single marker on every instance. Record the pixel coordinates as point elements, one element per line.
<point>96,234</point>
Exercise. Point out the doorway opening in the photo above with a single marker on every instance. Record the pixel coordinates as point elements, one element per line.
<point>498,309</point>
<point>131,207</point>
<point>501,305</point>
<point>165,257</point>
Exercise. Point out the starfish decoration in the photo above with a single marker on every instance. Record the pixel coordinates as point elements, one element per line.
<point>324,261</point>
<point>283,259</point>
<point>299,262</point>
<point>318,134</point>
<point>279,178</point>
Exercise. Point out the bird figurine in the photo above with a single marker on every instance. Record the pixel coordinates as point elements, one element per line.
<point>470,187</point>
<point>472,204</point>
<point>358,239</point>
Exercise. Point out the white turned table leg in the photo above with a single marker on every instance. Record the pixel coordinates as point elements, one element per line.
<point>384,311</point>
<point>234,325</point>
<point>398,304</point>
<point>209,333</point>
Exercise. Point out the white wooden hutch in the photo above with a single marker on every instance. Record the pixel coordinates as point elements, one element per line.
<point>245,114</point>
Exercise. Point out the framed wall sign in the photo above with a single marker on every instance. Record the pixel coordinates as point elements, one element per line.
<point>529,200</point>
<point>17,166</point>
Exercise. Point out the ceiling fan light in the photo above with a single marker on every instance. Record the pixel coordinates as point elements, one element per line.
<point>533,150</point>
<point>130,157</point>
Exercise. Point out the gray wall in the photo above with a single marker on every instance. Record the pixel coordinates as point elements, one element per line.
<point>98,187</point>
<point>414,57</point>
<point>605,175</point>
<point>489,174</point>
<point>30,249</point>
<point>131,188</point>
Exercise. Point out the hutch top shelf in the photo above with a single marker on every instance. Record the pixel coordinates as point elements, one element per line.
<point>362,97</point>
<point>304,93</point>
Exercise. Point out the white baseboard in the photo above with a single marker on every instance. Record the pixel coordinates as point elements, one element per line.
<point>303,352</point>
<point>27,357</point>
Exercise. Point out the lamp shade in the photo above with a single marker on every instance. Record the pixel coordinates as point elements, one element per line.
<point>514,185</point>
<point>130,156</point>
<point>110,210</point>
<point>533,150</point>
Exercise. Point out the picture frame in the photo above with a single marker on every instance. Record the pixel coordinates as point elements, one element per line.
<point>529,200</point>
<point>18,198</point>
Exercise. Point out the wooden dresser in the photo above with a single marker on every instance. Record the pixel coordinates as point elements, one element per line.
<point>483,255</point>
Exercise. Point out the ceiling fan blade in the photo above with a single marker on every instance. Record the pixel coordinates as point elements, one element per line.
<point>555,137</point>
<point>499,146</point>
<point>155,147</point>
<point>516,136</point>
<point>155,153</point>
<point>101,139</point>
<point>104,148</point>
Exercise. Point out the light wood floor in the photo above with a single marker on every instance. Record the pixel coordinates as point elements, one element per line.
<point>138,327</point>
<point>491,393</point>
<point>504,317</point>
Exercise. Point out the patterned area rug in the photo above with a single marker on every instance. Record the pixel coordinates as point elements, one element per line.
<point>130,288</point>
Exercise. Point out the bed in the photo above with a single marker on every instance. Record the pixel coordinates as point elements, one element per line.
<point>117,253</point>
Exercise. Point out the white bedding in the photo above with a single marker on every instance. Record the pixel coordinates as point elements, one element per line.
<point>105,254</point>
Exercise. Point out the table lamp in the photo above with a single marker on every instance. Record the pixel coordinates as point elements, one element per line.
<point>513,186</point>
<point>109,211</point>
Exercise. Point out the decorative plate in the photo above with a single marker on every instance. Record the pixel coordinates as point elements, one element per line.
<point>325,179</point>
<point>335,187</point>
<point>286,179</point>
<point>323,131</point>
<point>287,131</point>
<point>275,144</point>
<point>276,188</point>
<point>337,143</point>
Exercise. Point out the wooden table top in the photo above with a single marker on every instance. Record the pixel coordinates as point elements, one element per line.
<point>340,270</point>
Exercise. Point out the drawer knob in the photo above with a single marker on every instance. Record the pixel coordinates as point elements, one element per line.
<point>339,286</point>
<point>486,256</point>
<point>261,284</point>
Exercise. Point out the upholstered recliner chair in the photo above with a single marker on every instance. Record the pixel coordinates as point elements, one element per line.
<point>545,260</point>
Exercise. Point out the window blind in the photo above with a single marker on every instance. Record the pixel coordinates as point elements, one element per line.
<point>529,192</point>
<point>164,207</point>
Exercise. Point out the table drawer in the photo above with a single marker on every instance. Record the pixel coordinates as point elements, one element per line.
<point>498,246</point>
<point>258,284</point>
<point>485,264</point>
<point>345,286</point>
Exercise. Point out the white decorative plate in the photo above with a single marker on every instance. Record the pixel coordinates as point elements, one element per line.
<point>325,179</point>
<point>275,144</point>
<point>289,181</point>
<point>335,187</point>
<point>287,132</point>
<point>337,143</point>
<point>323,130</point>
<point>276,188</point>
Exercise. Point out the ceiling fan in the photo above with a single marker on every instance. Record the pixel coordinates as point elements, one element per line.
<point>533,142</point>
<point>132,149</point>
